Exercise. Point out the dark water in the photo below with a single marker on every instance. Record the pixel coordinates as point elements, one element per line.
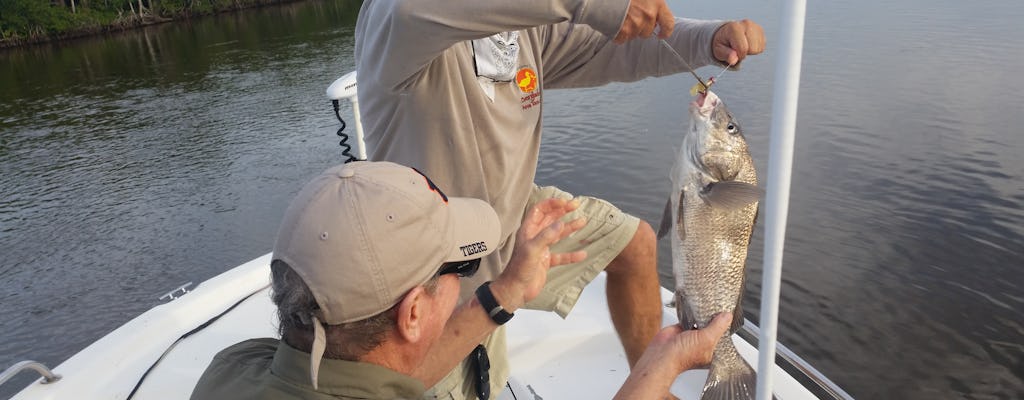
<point>134,163</point>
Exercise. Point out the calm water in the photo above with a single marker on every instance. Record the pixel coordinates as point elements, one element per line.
<point>134,163</point>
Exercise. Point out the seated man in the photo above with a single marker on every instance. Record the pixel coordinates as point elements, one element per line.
<point>365,278</point>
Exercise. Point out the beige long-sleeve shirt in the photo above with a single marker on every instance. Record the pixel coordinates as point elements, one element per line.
<point>423,105</point>
<point>456,89</point>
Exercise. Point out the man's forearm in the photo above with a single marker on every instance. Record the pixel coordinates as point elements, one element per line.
<point>574,65</point>
<point>466,328</point>
<point>647,381</point>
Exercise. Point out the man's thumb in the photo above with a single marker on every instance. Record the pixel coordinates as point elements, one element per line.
<point>720,324</point>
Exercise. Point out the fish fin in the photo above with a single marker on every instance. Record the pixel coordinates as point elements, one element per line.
<point>666,219</point>
<point>730,195</point>
<point>686,318</point>
<point>737,313</point>
<point>730,377</point>
<point>757,216</point>
<point>680,226</point>
<point>672,303</point>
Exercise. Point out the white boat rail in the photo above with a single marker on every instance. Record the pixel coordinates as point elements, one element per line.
<point>796,366</point>
<point>48,376</point>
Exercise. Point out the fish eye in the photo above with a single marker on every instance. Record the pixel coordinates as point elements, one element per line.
<point>732,128</point>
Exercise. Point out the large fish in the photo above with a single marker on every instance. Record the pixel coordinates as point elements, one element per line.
<point>710,215</point>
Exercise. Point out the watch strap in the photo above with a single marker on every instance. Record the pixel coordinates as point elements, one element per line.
<point>490,304</point>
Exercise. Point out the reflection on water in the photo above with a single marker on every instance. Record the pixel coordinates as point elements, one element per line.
<point>134,163</point>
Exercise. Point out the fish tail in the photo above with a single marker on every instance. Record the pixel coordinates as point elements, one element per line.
<point>730,377</point>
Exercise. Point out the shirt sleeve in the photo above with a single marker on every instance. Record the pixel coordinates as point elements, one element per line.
<point>402,36</point>
<point>578,56</point>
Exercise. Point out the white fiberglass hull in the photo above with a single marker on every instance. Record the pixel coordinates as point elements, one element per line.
<point>551,358</point>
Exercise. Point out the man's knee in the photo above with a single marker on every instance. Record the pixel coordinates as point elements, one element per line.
<point>640,252</point>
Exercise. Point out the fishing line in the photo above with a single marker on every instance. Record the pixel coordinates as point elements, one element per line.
<point>703,86</point>
<point>683,61</point>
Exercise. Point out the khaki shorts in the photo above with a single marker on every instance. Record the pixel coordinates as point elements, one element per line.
<point>607,232</point>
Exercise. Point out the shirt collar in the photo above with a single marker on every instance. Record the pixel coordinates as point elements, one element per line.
<point>344,378</point>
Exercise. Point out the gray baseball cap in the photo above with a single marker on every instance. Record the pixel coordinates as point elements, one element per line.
<point>362,234</point>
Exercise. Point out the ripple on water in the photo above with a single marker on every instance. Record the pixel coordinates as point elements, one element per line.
<point>131,175</point>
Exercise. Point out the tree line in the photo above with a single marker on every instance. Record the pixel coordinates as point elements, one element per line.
<point>32,21</point>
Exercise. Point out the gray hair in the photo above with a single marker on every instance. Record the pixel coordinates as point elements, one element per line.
<point>349,341</point>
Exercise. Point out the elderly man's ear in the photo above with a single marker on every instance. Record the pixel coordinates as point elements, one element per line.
<point>413,314</point>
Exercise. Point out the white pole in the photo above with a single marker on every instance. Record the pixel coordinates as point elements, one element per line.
<point>780,165</point>
<point>360,143</point>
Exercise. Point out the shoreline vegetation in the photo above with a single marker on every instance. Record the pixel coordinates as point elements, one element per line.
<point>27,22</point>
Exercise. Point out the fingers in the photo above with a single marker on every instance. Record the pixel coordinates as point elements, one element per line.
<point>568,258</point>
<point>702,347</point>
<point>668,333</point>
<point>538,247</point>
<point>557,231</point>
<point>730,44</point>
<point>666,23</point>
<point>646,30</point>
<point>543,214</point>
<point>550,210</point>
<point>572,226</point>
<point>526,272</point>
<point>542,227</point>
<point>641,19</point>
<point>755,37</point>
<point>735,40</point>
<point>556,205</point>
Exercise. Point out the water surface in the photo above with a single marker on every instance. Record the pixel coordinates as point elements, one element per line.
<point>134,163</point>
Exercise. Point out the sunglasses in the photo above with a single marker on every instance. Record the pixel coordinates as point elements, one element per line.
<point>463,269</point>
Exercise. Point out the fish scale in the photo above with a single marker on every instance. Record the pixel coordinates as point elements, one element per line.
<point>711,214</point>
<point>716,252</point>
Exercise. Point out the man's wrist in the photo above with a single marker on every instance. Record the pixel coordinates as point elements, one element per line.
<point>490,304</point>
<point>509,298</point>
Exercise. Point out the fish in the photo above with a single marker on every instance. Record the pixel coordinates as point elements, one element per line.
<point>710,216</point>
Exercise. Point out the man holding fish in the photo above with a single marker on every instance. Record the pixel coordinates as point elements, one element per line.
<point>455,89</point>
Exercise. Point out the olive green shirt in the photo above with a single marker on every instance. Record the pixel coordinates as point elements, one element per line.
<point>270,369</point>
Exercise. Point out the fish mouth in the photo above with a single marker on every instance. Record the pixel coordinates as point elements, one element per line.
<point>704,104</point>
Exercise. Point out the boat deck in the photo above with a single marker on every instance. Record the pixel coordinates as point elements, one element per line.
<point>579,357</point>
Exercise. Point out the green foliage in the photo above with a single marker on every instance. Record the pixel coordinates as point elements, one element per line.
<point>32,17</point>
<point>33,20</point>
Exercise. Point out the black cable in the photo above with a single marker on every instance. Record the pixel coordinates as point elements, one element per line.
<point>189,333</point>
<point>346,149</point>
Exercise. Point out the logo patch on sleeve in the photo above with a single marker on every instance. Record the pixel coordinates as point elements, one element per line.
<point>526,79</point>
<point>528,83</point>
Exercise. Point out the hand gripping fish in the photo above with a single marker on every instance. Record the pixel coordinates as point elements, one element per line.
<point>710,215</point>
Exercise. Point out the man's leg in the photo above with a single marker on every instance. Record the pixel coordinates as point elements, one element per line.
<point>634,300</point>
<point>624,247</point>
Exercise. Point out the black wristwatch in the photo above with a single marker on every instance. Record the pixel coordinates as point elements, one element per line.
<point>491,306</point>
